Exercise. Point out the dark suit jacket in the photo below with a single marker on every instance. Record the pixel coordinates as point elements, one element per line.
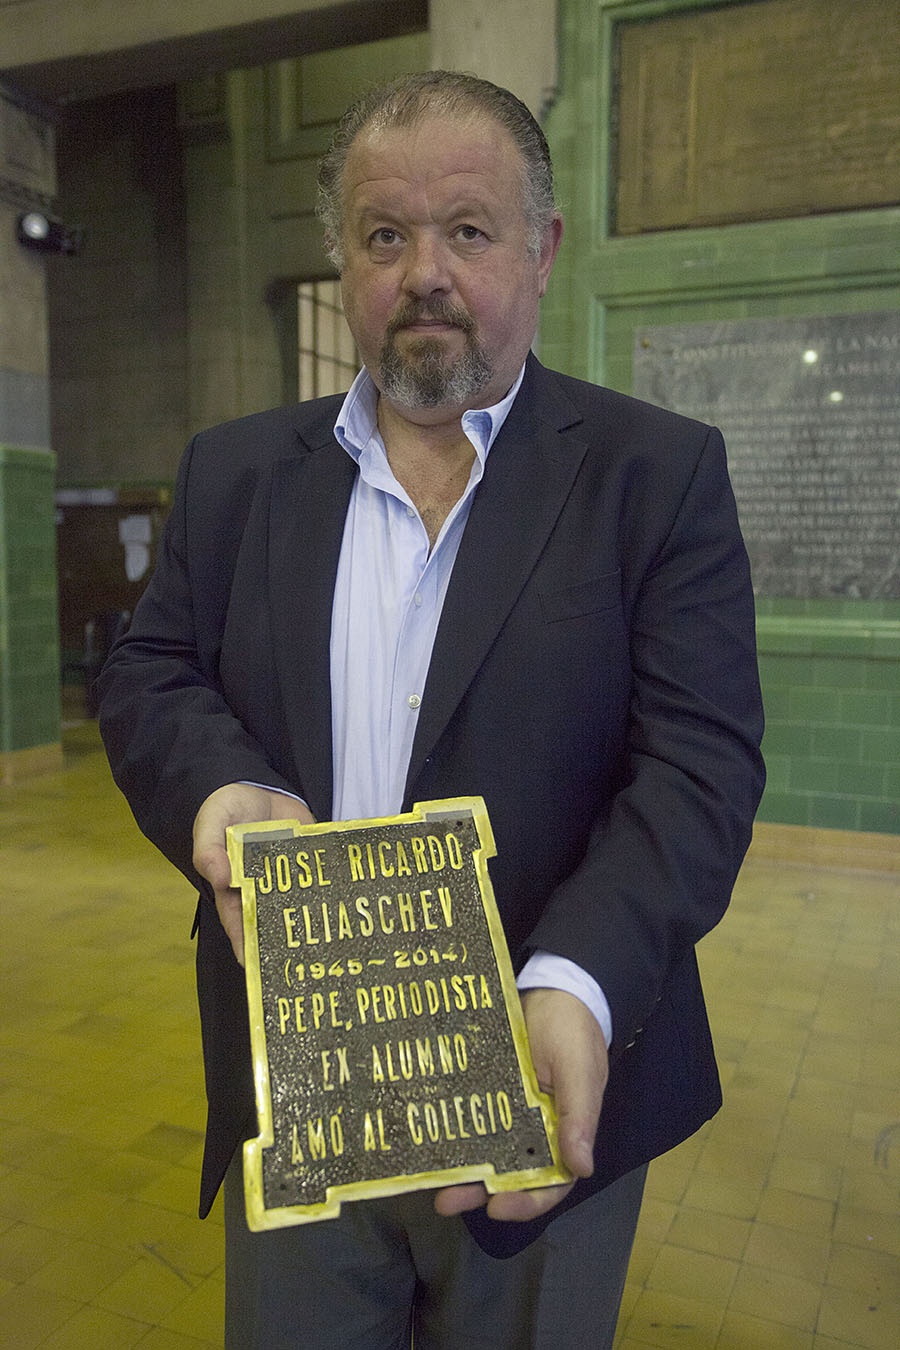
<point>593,678</point>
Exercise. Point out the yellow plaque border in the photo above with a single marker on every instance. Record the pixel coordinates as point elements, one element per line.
<point>260,1218</point>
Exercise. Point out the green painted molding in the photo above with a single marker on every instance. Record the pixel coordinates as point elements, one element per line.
<point>604,286</point>
<point>799,636</point>
<point>28,457</point>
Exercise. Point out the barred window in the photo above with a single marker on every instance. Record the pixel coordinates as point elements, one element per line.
<point>327,352</point>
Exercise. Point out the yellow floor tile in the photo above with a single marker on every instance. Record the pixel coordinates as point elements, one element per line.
<point>643,1256</point>
<point>868,1228</point>
<point>703,1231</point>
<point>800,1213</point>
<point>79,1271</point>
<point>23,1195</point>
<point>784,1249</point>
<point>201,1313</point>
<point>674,1323</point>
<point>24,1250</point>
<point>26,1322</point>
<point>827,1343</point>
<point>722,1196</point>
<point>160,1339</point>
<point>807,1176</point>
<point>774,1228</point>
<point>741,1332</point>
<point>853,1316</point>
<point>147,1290</point>
<point>77,1211</point>
<point>693,1275</point>
<point>873,1273</point>
<point>99,1330</point>
<point>777,1297</point>
<point>656,1219</point>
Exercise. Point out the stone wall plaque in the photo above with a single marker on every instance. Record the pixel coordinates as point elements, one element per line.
<point>810,411</point>
<point>389,1045</point>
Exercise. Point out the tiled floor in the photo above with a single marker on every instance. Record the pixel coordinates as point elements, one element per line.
<point>776,1228</point>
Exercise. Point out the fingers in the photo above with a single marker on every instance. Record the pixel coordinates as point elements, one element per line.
<point>571,1062</point>
<point>457,1199</point>
<point>520,1206</point>
<point>235,804</point>
<point>231,916</point>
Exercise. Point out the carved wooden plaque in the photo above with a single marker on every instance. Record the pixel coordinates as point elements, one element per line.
<point>745,112</point>
<point>389,1046</point>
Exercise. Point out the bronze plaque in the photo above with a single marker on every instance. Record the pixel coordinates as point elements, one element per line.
<point>389,1046</point>
<point>769,109</point>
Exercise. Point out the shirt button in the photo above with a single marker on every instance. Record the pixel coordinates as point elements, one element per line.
<point>414,700</point>
<point>410,511</point>
<point>417,600</point>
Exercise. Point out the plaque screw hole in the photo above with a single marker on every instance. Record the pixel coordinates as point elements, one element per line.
<point>530,1151</point>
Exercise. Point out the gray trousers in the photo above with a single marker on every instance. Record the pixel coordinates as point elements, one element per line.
<point>390,1269</point>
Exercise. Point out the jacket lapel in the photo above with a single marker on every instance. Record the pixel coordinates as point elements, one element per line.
<point>528,477</point>
<point>308,505</point>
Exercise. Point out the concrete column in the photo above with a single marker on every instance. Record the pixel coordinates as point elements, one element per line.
<point>511,42</point>
<point>29,642</point>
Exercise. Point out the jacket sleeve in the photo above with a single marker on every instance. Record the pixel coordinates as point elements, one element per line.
<point>662,859</point>
<point>170,736</point>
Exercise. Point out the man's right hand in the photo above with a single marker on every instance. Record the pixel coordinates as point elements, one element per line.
<point>235,804</point>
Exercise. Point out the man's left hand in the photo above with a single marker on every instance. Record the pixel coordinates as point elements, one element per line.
<point>572,1064</point>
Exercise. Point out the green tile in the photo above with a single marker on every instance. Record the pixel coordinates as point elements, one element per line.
<point>886,645</point>
<point>778,769</point>
<point>881,747</point>
<point>815,705</point>
<point>856,641</point>
<point>788,672</point>
<point>892,782</point>
<point>835,672</point>
<point>784,808</point>
<point>861,780</point>
<point>880,817</point>
<point>829,607</point>
<point>814,775</point>
<point>787,738</point>
<point>771,672</point>
<point>29,674</point>
<point>865,709</point>
<point>834,813</point>
<point>776,703</point>
<point>844,743</point>
<point>882,675</point>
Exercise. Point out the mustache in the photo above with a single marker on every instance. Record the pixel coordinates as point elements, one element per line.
<point>444,311</point>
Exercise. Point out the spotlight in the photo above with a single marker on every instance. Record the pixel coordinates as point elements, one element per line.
<point>35,229</point>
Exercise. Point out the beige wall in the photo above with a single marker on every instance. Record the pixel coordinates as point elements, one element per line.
<point>33,31</point>
<point>181,311</point>
<point>62,50</point>
<point>512,42</point>
<point>118,320</point>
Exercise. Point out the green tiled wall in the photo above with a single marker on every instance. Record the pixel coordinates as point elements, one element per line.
<point>29,644</point>
<point>831,683</point>
<point>830,668</point>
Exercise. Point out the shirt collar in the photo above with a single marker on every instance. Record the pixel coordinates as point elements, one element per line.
<point>357,422</point>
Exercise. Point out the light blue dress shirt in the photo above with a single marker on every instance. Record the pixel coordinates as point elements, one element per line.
<point>388,598</point>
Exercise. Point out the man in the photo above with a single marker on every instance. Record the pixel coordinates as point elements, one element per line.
<point>470,576</point>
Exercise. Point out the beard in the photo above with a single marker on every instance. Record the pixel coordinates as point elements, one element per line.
<point>424,375</point>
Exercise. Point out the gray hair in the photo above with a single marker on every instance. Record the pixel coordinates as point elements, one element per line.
<point>406,101</point>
